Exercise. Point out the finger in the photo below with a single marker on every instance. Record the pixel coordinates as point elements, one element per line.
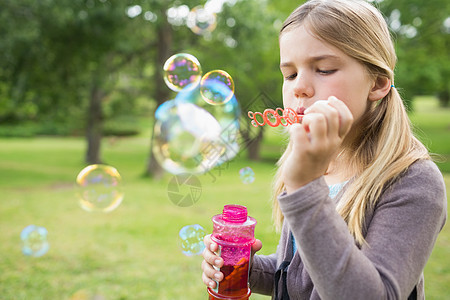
<point>345,115</point>
<point>210,272</point>
<point>331,115</point>
<point>317,125</point>
<point>210,244</point>
<point>208,281</point>
<point>211,258</point>
<point>298,135</point>
<point>207,240</point>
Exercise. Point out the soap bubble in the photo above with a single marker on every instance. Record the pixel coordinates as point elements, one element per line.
<point>217,87</point>
<point>201,21</point>
<point>99,188</point>
<point>191,239</point>
<point>227,115</point>
<point>163,111</point>
<point>247,175</point>
<point>182,70</point>
<point>187,139</point>
<point>34,241</point>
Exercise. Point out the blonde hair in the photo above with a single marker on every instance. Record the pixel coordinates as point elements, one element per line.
<point>385,146</point>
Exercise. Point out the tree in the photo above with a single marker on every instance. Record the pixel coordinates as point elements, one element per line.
<point>63,59</point>
<point>244,43</point>
<point>421,31</point>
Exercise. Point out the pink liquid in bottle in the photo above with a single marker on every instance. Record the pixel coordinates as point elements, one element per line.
<point>233,231</point>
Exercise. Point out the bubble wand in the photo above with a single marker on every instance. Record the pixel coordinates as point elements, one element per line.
<point>275,117</point>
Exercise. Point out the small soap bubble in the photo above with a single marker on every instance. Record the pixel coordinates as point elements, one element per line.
<point>182,70</point>
<point>187,139</point>
<point>217,87</point>
<point>99,188</point>
<point>247,175</point>
<point>191,239</point>
<point>201,21</point>
<point>34,241</point>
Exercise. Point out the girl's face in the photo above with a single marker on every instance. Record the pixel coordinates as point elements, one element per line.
<point>314,70</point>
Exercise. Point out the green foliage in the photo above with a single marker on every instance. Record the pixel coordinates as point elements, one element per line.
<point>121,126</point>
<point>59,55</point>
<point>56,51</point>
<point>422,43</point>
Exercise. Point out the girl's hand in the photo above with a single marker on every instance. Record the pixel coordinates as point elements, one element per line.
<point>211,261</point>
<point>314,142</point>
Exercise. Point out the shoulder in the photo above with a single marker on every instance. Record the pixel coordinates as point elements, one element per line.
<point>424,167</point>
<point>423,175</point>
<point>420,186</point>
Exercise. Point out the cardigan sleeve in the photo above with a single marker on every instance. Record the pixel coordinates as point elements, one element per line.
<point>400,237</point>
<point>264,267</point>
<point>262,273</point>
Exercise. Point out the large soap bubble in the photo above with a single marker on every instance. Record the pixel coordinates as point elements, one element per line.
<point>99,188</point>
<point>34,241</point>
<point>186,139</point>
<point>182,70</point>
<point>226,114</point>
<point>201,21</point>
<point>191,239</point>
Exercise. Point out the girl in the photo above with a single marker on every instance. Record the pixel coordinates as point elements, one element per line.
<point>358,200</point>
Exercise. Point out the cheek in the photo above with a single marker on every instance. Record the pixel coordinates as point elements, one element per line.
<point>284,94</point>
<point>357,105</point>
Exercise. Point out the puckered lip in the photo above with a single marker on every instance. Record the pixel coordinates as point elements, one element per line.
<point>300,110</point>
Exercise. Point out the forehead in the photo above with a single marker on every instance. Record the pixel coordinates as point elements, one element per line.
<point>298,43</point>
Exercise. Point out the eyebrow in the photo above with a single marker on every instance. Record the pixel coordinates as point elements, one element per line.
<point>312,59</point>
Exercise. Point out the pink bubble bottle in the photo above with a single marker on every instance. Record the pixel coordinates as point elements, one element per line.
<point>234,232</point>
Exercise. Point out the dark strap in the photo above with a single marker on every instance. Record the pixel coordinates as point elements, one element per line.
<point>282,272</point>
<point>413,295</point>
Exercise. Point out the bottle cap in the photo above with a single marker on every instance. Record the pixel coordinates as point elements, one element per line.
<point>234,213</point>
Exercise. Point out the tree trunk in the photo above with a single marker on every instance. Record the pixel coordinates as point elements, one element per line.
<point>94,125</point>
<point>254,146</point>
<point>162,92</point>
<point>252,142</point>
<point>444,98</point>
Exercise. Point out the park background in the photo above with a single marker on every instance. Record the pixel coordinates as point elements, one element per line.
<point>79,83</point>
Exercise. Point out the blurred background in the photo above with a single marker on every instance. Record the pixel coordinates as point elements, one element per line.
<point>80,81</point>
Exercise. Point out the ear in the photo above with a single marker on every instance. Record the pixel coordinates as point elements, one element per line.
<point>380,88</point>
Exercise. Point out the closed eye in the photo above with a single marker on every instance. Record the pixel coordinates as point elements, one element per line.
<point>290,77</point>
<point>325,72</point>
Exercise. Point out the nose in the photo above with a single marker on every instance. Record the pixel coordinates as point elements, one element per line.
<point>303,88</point>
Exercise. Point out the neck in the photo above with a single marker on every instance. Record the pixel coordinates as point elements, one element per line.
<point>339,170</point>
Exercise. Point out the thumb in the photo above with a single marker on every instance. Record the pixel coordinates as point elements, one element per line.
<point>257,245</point>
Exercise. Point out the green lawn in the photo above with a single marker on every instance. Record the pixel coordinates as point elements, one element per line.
<point>133,252</point>
<point>432,127</point>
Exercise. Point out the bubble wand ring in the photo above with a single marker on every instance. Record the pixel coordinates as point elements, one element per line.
<point>253,116</point>
<point>282,117</point>
<point>274,114</point>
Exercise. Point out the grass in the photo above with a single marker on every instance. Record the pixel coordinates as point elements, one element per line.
<point>133,252</point>
<point>432,127</point>
<point>130,253</point>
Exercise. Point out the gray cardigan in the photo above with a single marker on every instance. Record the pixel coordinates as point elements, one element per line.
<point>400,232</point>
